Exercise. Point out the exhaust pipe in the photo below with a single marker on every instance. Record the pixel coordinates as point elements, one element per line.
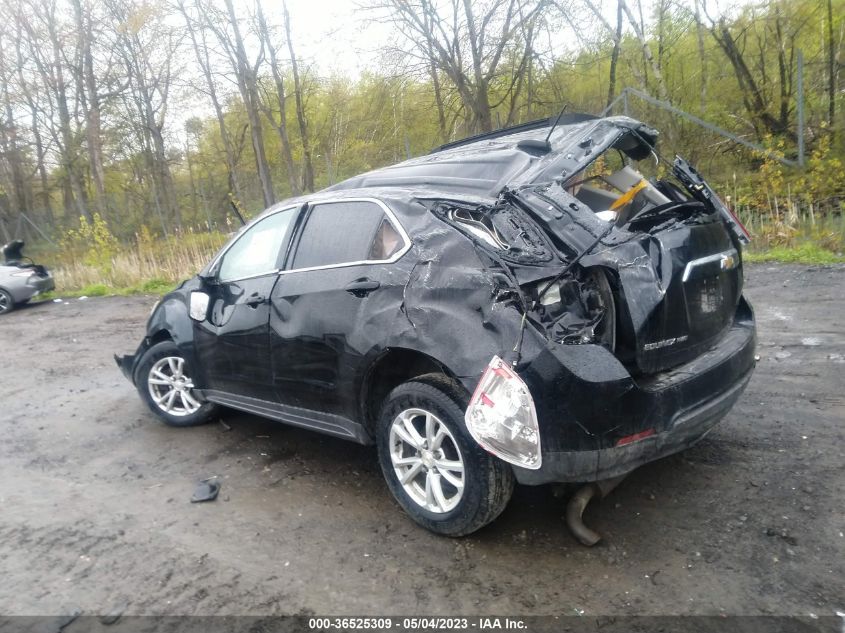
<point>578,503</point>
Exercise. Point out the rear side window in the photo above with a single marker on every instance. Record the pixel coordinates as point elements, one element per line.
<point>345,232</point>
<point>387,242</point>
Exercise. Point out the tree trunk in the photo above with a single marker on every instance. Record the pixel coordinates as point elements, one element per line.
<point>9,141</point>
<point>752,96</point>
<point>69,146</point>
<point>663,93</point>
<point>831,73</point>
<point>40,167</point>
<point>482,119</point>
<point>204,62</point>
<point>614,56</point>
<point>438,100</point>
<point>307,167</point>
<point>278,79</point>
<point>92,106</point>
<point>249,92</point>
<point>699,34</point>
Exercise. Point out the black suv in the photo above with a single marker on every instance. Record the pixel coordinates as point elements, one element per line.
<point>519,306</point>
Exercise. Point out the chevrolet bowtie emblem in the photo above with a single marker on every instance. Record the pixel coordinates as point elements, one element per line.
<point>728,262</point>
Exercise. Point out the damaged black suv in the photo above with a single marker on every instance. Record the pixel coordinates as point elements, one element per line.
<point>522,306</point>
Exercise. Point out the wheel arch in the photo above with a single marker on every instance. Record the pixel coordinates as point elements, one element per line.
<point>388,370</point>
<point>168,322</point>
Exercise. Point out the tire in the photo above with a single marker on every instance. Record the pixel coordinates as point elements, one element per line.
<point>486,482</point>
<point>7,304</point>
<point>162,371</point>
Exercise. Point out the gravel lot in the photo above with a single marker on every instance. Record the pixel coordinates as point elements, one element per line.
<point>95,512</point>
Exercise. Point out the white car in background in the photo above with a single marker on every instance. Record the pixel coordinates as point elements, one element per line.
<point>20,278</point>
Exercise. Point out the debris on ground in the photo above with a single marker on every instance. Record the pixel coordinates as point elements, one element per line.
<point>113,614</point>
<point>782,534</point>
<point>206,490</point>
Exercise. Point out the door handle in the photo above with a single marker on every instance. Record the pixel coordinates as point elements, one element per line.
<point>362,287</point>
<point>255,300</point>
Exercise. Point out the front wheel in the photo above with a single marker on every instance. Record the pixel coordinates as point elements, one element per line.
<point>165,384</point>
<point>435,470</point>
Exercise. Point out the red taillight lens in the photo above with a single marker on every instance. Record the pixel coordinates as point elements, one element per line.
<point>740,225</point>
<point>636,437</point>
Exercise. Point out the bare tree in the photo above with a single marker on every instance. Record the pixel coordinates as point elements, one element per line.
<point>281,99</point>
<point>307,166</point>
<point>615,34</point>
<point>45,27</point>
<point>702,56</point>
<point>246,75</point>
<point>467,44</point>
<point>648,57</point>
<point>831,70</point>
<point>29,92</point>
<point>89,81</point>
<point>201,50</point>
<point>755,87</point>
<point>150,72</point>
<point>614,56</point>
<point>12,154</point>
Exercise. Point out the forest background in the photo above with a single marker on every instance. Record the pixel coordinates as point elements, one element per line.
<point>129,128</point>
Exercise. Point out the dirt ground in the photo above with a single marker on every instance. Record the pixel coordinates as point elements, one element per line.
<point>95,512</point>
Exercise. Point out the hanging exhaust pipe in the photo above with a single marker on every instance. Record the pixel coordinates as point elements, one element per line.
<point>578,503</point>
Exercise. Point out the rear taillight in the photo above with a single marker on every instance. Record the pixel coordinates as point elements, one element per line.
<point>501,416</point>
<point>745,238</point>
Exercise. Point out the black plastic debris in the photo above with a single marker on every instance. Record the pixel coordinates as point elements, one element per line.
<point>206,490</point>
<point>113,614</point>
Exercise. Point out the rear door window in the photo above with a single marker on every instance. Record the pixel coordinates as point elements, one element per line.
<point>346,232</point>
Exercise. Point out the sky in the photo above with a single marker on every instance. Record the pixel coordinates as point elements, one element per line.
<point>340,37</point>
<point>335,35</point>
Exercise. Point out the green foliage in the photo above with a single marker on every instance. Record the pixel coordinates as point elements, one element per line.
<point>382,116</point>
<point>805,253</point>
<point>92,243</point>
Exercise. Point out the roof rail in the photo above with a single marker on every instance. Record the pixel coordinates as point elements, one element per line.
<point>566,119</point>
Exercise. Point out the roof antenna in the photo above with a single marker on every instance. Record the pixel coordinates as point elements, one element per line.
<point>557,120</point>
<point>536,145</point>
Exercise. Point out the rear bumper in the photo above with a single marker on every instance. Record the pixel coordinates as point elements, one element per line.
<point>676,408</point>
<point>34,286</point>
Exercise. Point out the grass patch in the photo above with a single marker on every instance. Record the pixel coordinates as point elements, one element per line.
<point>805,253</point>
<point>150,287</point>
<point>158,287</point>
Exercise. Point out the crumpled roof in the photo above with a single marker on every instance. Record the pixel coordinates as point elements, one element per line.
<point>483,165</point>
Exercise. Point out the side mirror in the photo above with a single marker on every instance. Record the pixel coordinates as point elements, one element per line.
<point>208,278</point>
<point>199,305</point>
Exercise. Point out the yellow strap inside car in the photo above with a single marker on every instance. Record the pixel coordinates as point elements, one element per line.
<point>625,198</point>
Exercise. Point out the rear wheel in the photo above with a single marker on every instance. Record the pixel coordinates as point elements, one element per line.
<point>6,303</point>
<point>435,470</point>
<point>165,384</point>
